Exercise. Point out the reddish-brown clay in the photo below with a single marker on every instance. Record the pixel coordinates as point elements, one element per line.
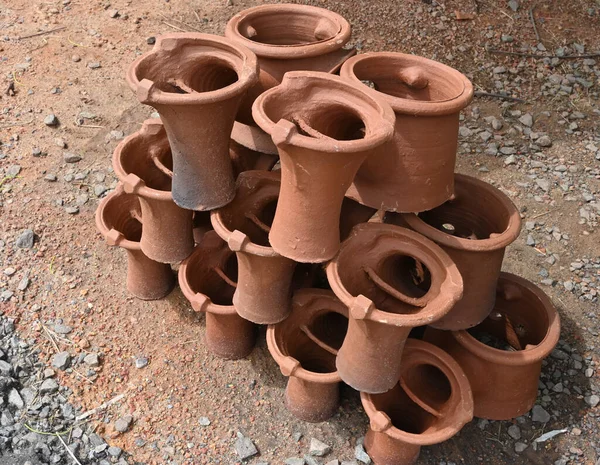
<point>324,128</point>
<point>207,280</point>
<point>248,155</point>
<point>430,404</point>
<point>392,280</point>
<point>118,218</point>
<point>264,285</point>
<point>289,37</point>
<point>202,225</point>
<point>196,83</point>
<point>474,228</point>
<point>142,163</point>
<point>415,172</point>
<point>304,346</point>
<point>502,356</point>
<point>353,213</point>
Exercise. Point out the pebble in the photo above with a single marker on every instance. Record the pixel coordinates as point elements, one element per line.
<point>15,399</point>
<point>60,143</point>
<point>592,400</point>
<point>23,284</point>
<point>94,65</point>
<point>13,171</point>
<point>72,210</point>
<point>360,454</point>
<point>544,141</point>
<point>204,421</point>
<point>520,447</point>
<point>92,360</point>
<point>51,120</point>
<point>589,372</point>
<point>61,360</point>
<point>141,362</point>
<point>244,447</point>
<point>123,424</point>
<point>71,157</point>
<point>539,415</point>
<point>113,13</point>
<point>48,386</point>
<point>26,239</point>
<point>510,160</point>
<point>50,178</point>
<point>526,120</point>
<point>75,58</point>
<point>151,40</point>
<point>334,462</point>
<point>514,432</point>
<point>295,461</point>
<point>318,448</point>
<point>9,271</point>
<point>62,329</point>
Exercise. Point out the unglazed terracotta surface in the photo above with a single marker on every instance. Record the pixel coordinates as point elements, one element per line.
<point>416,170</point>
<point>289,37</point>
<point>143,163</point>
<point>392,280</point>
<point>324,128</point>
<point>196,83</point>
<point>207,279</point>
<point>474,228</point>
<point>431,403</point>
<point>118,218</point>
<point>304,346</point>
<point>264,286</point>
<point>504,370</point>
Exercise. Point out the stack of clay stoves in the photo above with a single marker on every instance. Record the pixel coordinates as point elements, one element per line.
<point>326,206</point>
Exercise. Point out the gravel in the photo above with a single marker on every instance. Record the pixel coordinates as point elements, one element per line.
<point>244,447</point>
<point>539,415</point>
<point>51,120</point>
<point>26,239</point>
<point>319,448</point>
<point>27,406</point>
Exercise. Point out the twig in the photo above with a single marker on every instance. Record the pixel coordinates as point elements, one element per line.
<point>50,337</point>
<point>532,19</point>
<point>104,406</point>
<point>502,96</point>
<point>541,214</point>
<point>15,123</point>
<point>181,22</point>
<point>42,33</point>
<point>174,27</point>
<point>69,451</point>
<point>44,433</point>
<point>539,57</point>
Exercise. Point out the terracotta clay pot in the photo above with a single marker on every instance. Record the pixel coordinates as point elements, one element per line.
<point>289,37</point>
<point>142,163</point>
<point>416,172</point>
<point>207,280</point>
<point>430,404</point>
<point>264,285</point>
<point>392,280</point>
<point>324,128</point>
<point>473,228</point>
<point>252,153</point>
<point>304,346</point>
<point>196,83</point>
<point>353,213</point>
<point>202,225</point>
<point>504,369</point>
<point>118,218</point>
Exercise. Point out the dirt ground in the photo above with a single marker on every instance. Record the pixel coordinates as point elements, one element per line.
<point>76,277</point>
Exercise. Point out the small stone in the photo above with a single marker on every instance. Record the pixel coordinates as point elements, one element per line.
<point>100,189</point>
<point>49,373</point>
<point>514,432</point>
<point>76,58</point>
<point>62,329</point>
<point>360,454</point>
<point>558,387</point>
<point>151,40</point>
<point>114,451</point>
<point>576,432</point>
<point>113,13</point>
<point>72,210</point>
<point>543,184</point>
<point>141,362</point>
<point>334,462</point>
<point>9,271</point>
<point>92,360</point>
<point>13,171</point>
<point>499,70</point>
<point>244,447</point>
<point>71,157</point>
<point>62,360</point>
<point>23,284</point>
<point>544,141</point>
<point>60,142</point>
<point>36,152</point>
<point>520,447</point>
<point>539,415</point>
<point>123,424</point>
<point>15,399</point>
<point>295,461</point>
<point>51,120</point>
<point>26,239</point>
<point>50,178</point>
<point>48,386</point>
<point>94,65</point>
<point>204,421</point>
<point>510,160</point>
<point>485,135</point>
<point>592,400</point>
<point>318,448</point>
<point>589,372</point>
<point>297,436</point>
<point>526,120</point>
